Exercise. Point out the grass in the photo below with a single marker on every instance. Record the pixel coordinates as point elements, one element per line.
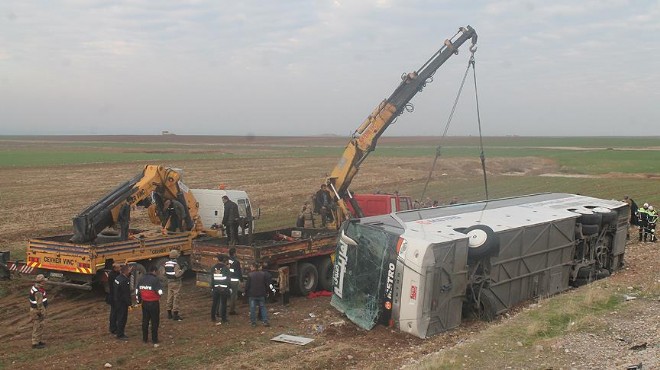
<point>576,311</point>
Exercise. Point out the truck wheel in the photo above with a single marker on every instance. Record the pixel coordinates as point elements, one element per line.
<point>307,279</point>
<point>138,272</point>
<point>325,274</point>
<point>4,272</point>
<point>482,241</point>
<point>160,264</point>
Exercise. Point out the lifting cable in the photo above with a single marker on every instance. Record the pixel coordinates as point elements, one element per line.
<point>471,63</point>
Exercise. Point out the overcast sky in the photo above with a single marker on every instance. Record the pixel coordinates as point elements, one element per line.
<point>244,67</point>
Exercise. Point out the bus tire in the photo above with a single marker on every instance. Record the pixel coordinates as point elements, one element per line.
<point>482,241</point>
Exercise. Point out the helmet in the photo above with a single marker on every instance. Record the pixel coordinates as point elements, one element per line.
<point>646,205</point>
<point>174,253</point>
<point>650,208</point>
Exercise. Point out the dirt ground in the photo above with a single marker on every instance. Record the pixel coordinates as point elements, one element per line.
<point>40,201</point>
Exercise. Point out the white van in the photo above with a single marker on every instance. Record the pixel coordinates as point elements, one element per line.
<point>211,208</point>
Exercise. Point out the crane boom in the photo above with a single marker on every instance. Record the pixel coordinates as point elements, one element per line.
<point>136,191</point>
<point>364,139</point>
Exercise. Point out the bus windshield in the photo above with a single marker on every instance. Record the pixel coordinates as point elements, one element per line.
<point>360,273</point>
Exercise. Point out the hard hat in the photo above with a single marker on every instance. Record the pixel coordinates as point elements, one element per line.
<point>646,205</point>
<point>174,253</point>
<point>650,208</point>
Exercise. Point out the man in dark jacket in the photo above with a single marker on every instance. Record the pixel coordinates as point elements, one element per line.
<point>122,295</point>
<point>235,277</point>
<point>175,214</point>
<point>124,219</point>
<point>256,289</point>
<point>220,288</point>
<point>148,293</point>
<point>110,298</point>
<point>230,220</point>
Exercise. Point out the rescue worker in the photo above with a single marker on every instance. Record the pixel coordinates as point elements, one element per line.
<point>307,216</point>
<point>110,298</point>
<point>174,274</point>
<point>643,218</point>
<point>122,295</point>
<point>148,293</point>
<point>175,214</point>
<point>220,287</point>
<point>235,277</point>
<point>652,218</point>
<point>38,304</point>
<point>124,219</point>
<point>256,288</point>
<point>230,220</point>
<point>322,204</point>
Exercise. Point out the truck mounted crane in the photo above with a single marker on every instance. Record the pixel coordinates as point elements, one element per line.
<point>364,139</point>
<point>161,181</point>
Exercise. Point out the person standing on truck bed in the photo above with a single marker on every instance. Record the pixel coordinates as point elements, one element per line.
<point>124,219</point>
<point>306,216</point>
<point>122,294</point>
<point>256,289</point>
<point>110,297</point>
<point>230,220</point>
<point>235,277</point>
<point>174,273</point>
<point>322,202</point>
<point>149,292</point>
<point>175,213</point>
<point>220,276</point>
<point>38,304</point>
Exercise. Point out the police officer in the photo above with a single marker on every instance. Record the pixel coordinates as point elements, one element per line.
<point>174,273</point>
<point>220,288</point>
<point>235,277</point>
<point>38,304</point>
<point>148,293</point>
<point>652,218</point>
<point>122,295</point>
<point>110,298</point>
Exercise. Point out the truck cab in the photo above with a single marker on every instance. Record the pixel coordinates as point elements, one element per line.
<point>381,204</point>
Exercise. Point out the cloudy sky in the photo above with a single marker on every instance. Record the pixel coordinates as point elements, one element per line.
<point>304,67</point>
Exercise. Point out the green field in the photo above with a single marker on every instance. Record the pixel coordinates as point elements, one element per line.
<point>635,161</point>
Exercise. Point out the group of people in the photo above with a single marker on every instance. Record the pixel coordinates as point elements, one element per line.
<point>148,292</point>
<point>645,218</point>
<point>226,276</point>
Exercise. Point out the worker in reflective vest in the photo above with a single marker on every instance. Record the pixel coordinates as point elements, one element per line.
<point>38,304</point>
<point>148,293</point>
<point>220,288</point>
<point>235,277</point>
<point>173,272</point>
<point>652,218</point>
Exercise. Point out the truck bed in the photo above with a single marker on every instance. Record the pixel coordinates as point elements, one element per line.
<point>276,247</point>
<point>61,259</point>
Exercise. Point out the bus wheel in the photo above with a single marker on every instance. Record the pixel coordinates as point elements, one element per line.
<point>482,241</point>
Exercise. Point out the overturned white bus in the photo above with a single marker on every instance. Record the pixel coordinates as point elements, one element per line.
<point>420,270</point>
